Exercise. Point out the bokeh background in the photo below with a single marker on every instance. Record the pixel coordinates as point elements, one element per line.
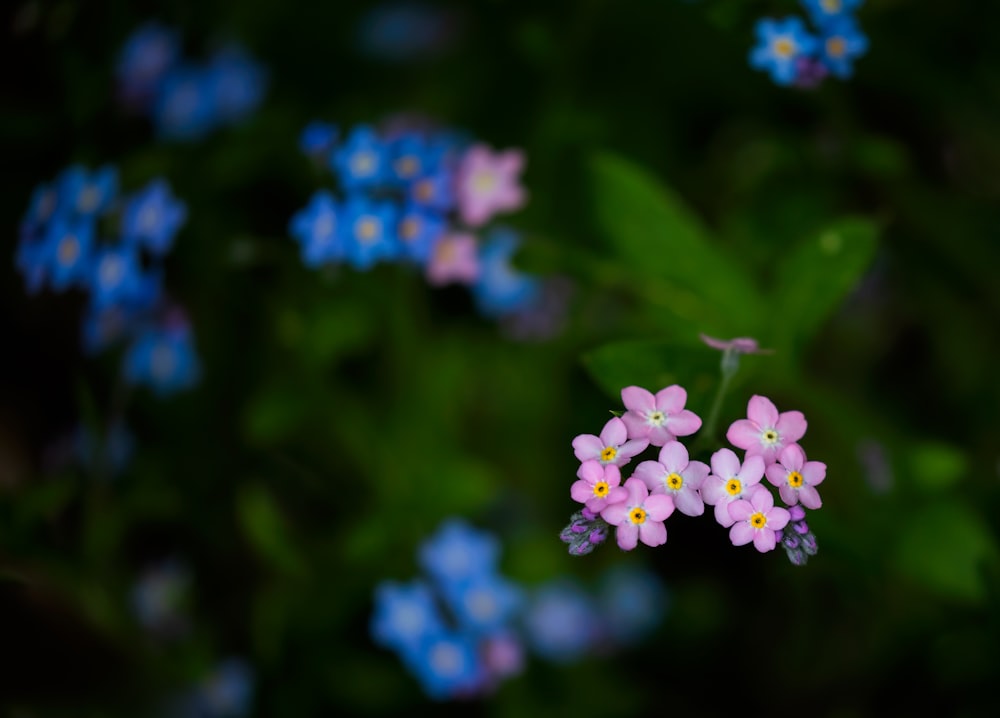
<point>341,416</point>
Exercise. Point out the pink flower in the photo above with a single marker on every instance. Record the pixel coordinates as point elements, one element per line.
<point>729,482</point>
<point>598,486</point>
<point>660,418</point>
<point>757,520</point>
<point>454,259</point>
<point>739,345</point>
<point>611,447</point>
<point>797,478</point>
<point>487,183</point>
<point>675,476</point>
<point>640,516</point>
<point>766,432</point>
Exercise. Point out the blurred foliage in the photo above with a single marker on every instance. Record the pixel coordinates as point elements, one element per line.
<point>342,415</point>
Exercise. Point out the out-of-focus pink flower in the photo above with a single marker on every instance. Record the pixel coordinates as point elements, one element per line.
<point>730,482</point>
<point>661,418</point>
<point>598,485</point>
<point>677,477</point>
<point>611,447</point>
<point>797,478</point>
<point>453,259</point>
<point>766,432</point>
<point>639,517</point>
<point>487,183</point>
<point>757,520</point>
<point>740,345</point>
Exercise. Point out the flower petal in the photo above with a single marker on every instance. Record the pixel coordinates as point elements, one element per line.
<point>672,399</point>
<point>810,497</point>
<point>627,535</point>
<point>814,472</point>
<point>614,433</point>
<point>651,473</point>
<point>762,411</point>
<point>615,513</point>
<point>591,471</point>
<point>752,471</point>
<point>713,490</point>
<point>653,533</point>
<point>587,446</point>
<point>722,513</point>
<point>629,449</point>
<point>740,510</point>
<point>791,425</point>
<point>792,456</point>
<point>789,495</point>
<point>636,425</point>
<point>743,434</point>
<point>777,518</point>
<point>763,540</point>
<point>659,507</point>
<point>761,499</point>
<point>688,502</point>
<point>777,475</point>
<point>613,475</point>
<point>674,457</point>
<point>581,491</point>
<point>741,534</point>
<point>638,399</point>
<point>637,491</point>
<point>695,474</point>
<point>725,464</point>
<point>684,423</point>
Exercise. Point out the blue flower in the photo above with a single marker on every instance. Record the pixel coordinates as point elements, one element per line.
<point>238,82</point>
<point>228,691</point>
<point>158,596</point>
<point>458,552</point>
<point>32,258</point>
<point>87,194</point>
<point>843,42</point>
<point>368,231</point>
<point>435,191</point>
<point>419,230</point>
<point>148,53</point>
<point>501,289</point>
<point>446,665</point>
<point>825,11</point>
<point>152,216</point>
<point>781,44</point>
<point>41,209</point>
<point>163,359</point>
<point>115,277</point>
<point>68,251</point>
<point>633,602</point>
<point>103,327</point>
<point>185,107</point>
<point>484,603</point>
<point>561,622</point>
<point>361,161</point>
<point>316,229</point>
<point>404,615</point>
<point>318,139</point>
<point>410,158</point>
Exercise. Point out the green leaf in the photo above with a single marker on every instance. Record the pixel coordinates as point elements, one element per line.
<point>652,365</point>
<point>266,530</point>
<point>814,277</point>
<point>946,547</point>
<point>936,466</point>
<point>669,252</point>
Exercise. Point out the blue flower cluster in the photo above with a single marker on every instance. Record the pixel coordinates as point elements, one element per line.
<point>59,248</point>
<point>471,649</point>
<point>227,692</point>
<point>793,56</point>
<point>410,196</point>
<point>480,639</point>
<point>187,100</point>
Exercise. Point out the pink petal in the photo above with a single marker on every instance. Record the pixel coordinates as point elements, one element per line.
<point>587,446</point>
<point>591,471</point>
<point>763,540</point>
<point>743,434</point>
<point>627,535</point>
<point>752,471</point>
<point>637,399</point>
<point>695,474</point>
<point>684,423</point>
<point>791,425</point>
<point>674,457</point>
<point>661,435</point>
<point>510,162</point>
<point>777,475</point>
<point>659,507</point>
<point>777,518</point>
<point>672,399</point>
<point>722,514</point>
<point>761,499</point>
<point>637,491</point>
<point>740,510</point>
<point>615,513</point>
<point>762,411</point>
<point>688,502</point>
<point>714,343</point>
<point>789,495</point>
<point>581,491</point>
<point>617,495</point>
<point>725,464</point>
<point>713,489</point>
<point>741,534</point>
<point>636,425</point>
<point>792,456</point>
<point>653,533</point>
<point>614,432</point>
<point>650,473</point>
<point>810,497</point>
<point>629,449</point>
<point>814,472</point>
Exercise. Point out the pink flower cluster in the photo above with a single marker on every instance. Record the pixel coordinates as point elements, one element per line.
<point>639,507</point>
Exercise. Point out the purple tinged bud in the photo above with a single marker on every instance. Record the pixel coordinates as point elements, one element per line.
<point>797,557</point>
<point>809,544</point>
<point>578,528</point>
<point>790,541</point>
<point>796,513</point>
<point>597,536</point>
<point>801,527</point>
<point>581,549</point>
<point>567,536</point>
<point>588,514</point>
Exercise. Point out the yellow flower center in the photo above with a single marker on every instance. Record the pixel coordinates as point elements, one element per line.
<point>445,251</point>
<point>601,489</point>
<point>89,199</point>
<point>69,249</point>
<point>424,190</point>
<point>831,6</point>
<point>770,436</point>
<point>407,166</point>
<point>484,182</point>
<point>111,271</point>
<point>733,486</point>
<point>795,479</point>
<point>367,229</point>
<point>836,47</point>
<point>784,47</point>
<point>637,515</point>
<point>324,226</point>
<point>163,361</point>
<point>410,228</point>
<point>675,481</point>
<point>758,520</point>
<point>362,163</point>
<point>609,453</point>
<point>656,418</point>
